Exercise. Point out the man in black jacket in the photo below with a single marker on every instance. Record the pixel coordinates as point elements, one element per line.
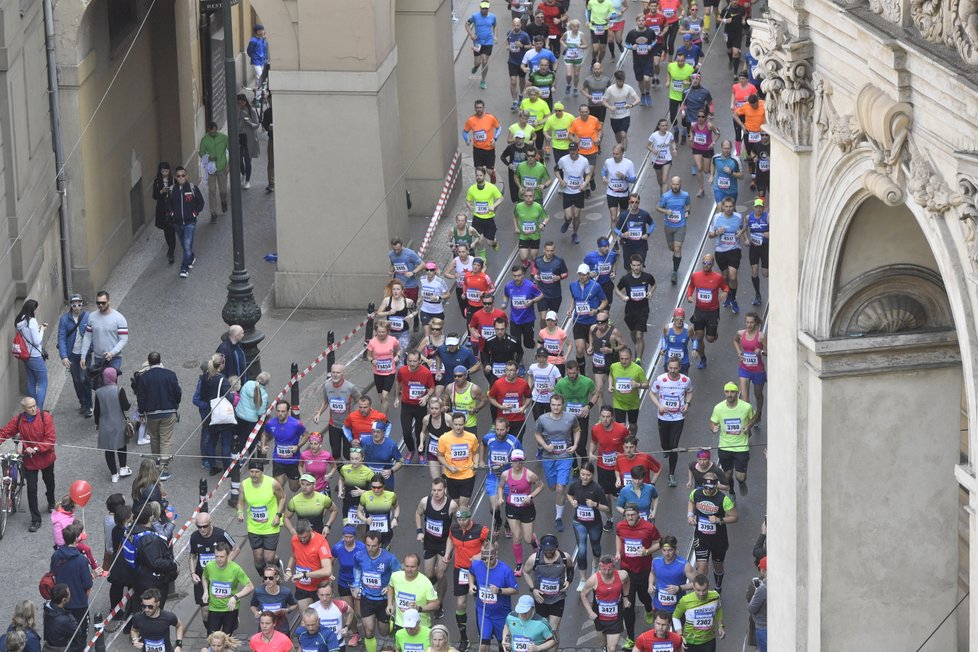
<point>235,361</point>
<point>155,566</point>
<point>185,204</point>
<point>70,567</point>
<point>158,399</point>
<point>59,624</point>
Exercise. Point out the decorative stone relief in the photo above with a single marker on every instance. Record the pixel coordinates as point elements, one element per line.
<point>842,130</point>
<point>953,23</point>
<point>892,299</point>
<point>969,216</point>
<point>784,65</point>
<point>889,10</point>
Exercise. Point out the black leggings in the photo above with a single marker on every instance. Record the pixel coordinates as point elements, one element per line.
<point>171,238</point>
<point>523,333</point>
<point>245,156</point>
<point>339,445</point>
<point>638,585</point>
<point>671,38</point>
<point>411,416</point>
<point>110,459</point>
<point>238,438</point>
<point>669,434</point>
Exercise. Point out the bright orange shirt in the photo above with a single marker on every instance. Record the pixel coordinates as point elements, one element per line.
<point>482,130</point>
<point>751,117</point>
<point>309,557</point>
<point>589,133</point>
<point>460,453</point>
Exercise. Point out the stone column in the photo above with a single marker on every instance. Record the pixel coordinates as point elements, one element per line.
<point>426,95</point>
<point>337,156</point>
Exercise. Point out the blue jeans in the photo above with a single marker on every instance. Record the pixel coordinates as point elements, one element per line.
<point>224,438</point>
<point>584,533</point>
<point>79,378</point>
<point>37,379</point>
<point>761,636</point>
<point>186,234</point>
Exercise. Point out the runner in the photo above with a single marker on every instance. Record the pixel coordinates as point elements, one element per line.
<point>434,294</point>
<point>284,436</point>
<point>693,54</point>
<point>344,552</point>
<point>150,629</point>
<point>556,131</point>
<point>739,93</point>
<point>514,154</point>
<point>482,328</point>
<point>626,379</point>
<point>674,205</point>
<point>354,482</point>
<point>751,346</point>
<point>660,638</point>
<point>602,263</point>
<point>619,98</point>
<point>398,309</point>
<point>642,42</point>
<point>588,298</point>
<point>633,230</point>
<point>548,573</point>
<point>557,434</point>
<point>526,631</point>
<point>618,173</point>
<point>632,458</point>
<point>594,86</point>
<point>554,17</point>
<point>225,585</point>
<point>726,172</point>
<point>475,286</point>
<point>202,543</point>
<point>335,616</point>
<point>379,509</point>
<point>529,221</point>
<point>609,588</point>
<point>500,349</point>
<point>310,564</point>
<point>436,423</point>
<point>607,443</point>
<point>761,158</point>
<point>533,175</point>
<point>671,393</point>
<point>636,540</point>
<point>550,271</point>
<point>598,13</point>
<point>750,118</point>
<point>603,345</point>
<point>638,492</point>
<point>433,518</point>
<point>552,338</point>
<point>679,74</point>
<point>409,590</point>
<point>465,541</point>
<point>456,270</point>
<point>463,233</point>
<point>372,569</point>
<point>511,397</point>
<point>729,228</point>
<point>313,635</point>
<point>709,288</point>
<point>700,617</point>
<point>733,418</point>
<point>585,132</point>
<point>671,576</point>
<point>702,465</point>
<point>518,42</point>
<point>310,505</point>
<point>574,175</point>
<point>339,397</point>
<point>481,28</point>
<point>383,352</point>
<point>758,234</point>
<point>406,267</point>
<point>580,395</point>
<point>675,341</point>
<point>692,25</point>
<point>381,454</point>
<point>413,386</point>
<point>542,378</point>
<point>617,29</point>
<point>263,500</point>
<point>483,199</point>
<point>544,79</point>
<point>636,289</point>
<point>704,133</point>
<point>465,398</point>
<point>734,19</point>
<point>537,107</point>
<point>521,295</point>
<point>588,501</point>
<point>499,444</point>
<point>493,585</point>
<point>413,637</point>
<point>698,98</point>
<point>459,454</point>
<point>710,511</point>
<point>574,45</point>
<point>516,489</point>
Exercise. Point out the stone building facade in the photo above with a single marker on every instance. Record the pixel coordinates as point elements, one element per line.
<point>873,509</point>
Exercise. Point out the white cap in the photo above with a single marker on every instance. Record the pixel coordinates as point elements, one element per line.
<point>550,315</point>
<point>583,269</point>
<point>451,341</point>
<point>411,618</point>
<point>519,134</point>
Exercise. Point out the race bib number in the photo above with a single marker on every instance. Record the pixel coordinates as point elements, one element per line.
<point>482,207</point>
<point>674,217</point>
<point>585,514</point>
<point>623,385</point>
<point>463,576</point>
<point>473,294</point>
<point>487,332</point>
<point>518,500</point>
<point>702,618</point>
<point>764,165</point>
<point>699,139</point>
<point>728,239</point>
<point>574,181</point>
<point>749,359</point>
<point>604,268</point>
<point>372,580</point>
<point>546,277</point>
<point>572,54</point>
<point>671,403</point>
<point>642,48</point>
<point>598,359</point>
<point>520,302</point>
<point>607,610</point>
<point>597,98</point>
<point>704,295</point>
<point>396,323</point>
<point>205,558</point>
<point>530,183</point>
<point>559,446</point>
<point>753,136</point>
<point>384,366</point>
<point>633,547</point>
<point>405,600</point>
<point>676,353</point>
<point>529,227</point>
<point>283,451</point>
<point>575,408</point>
<point>521,644</point>
<point>635,233</point>
<point>433,446</point>
<point>415,391</point>
<point>723,183</point>
<point>599,29</point>
<point>498,369</point>
<point>667,599</point>
<point>560,134</point>
<point>582,307</point>
<point>541,384</point>
<point>586,143</point>
<point>668,13</point>
<point>544,92</point>
<point>337,404</point>
<point>460,452</point>
<point>378,523</point>
<point>704,525</point>
<point>551,345</point>
<point>154,645</point>
<point>549,585</point>
<point>756,239</point>
<point>486,596</point>
<point>352,517</point>
<point>511,405</point>
<point>479,135</point>
<point>731,426</point>
<point>620,107</point>
<point>532,119</point>
<point>434,528</point>
<point>400,268</point>
<point>515,46</point>
<point>498,458</point>
<point>608,460</point>
<point>259,513</point>
<point>637,292</point>
<point>477,47</point>
<point>616,184</point>
<point>677,85</point>
<point>221,589</point>
<point>695,28</point>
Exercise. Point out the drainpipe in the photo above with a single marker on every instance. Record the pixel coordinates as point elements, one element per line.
<point>59,154</point>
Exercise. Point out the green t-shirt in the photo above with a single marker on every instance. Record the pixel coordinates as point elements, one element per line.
<point>482,199</point>
<point>680,79</point>
<point>529,219</point>
<point>733,424</point>
<point>533,177</point>
<point>417,643</point>
<point>576,393</point>
<point>314,505</point>
<point>223,583</point>
<point>625,383</point>
<point>702,617</point>
<point>535,630</point>
<point>599,11</point>
<point>419,591</point>
<point>359,478</point>
<point>557,128</point>
<point>539,111</point>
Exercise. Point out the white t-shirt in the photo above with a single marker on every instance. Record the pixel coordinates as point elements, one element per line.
<point>574,172</point>
<point>617,98</point>
<point>431,292</point>
<point>661,146</point>
<point>618,187</point>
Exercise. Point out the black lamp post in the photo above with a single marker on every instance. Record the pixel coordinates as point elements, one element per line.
<point>240,308</point>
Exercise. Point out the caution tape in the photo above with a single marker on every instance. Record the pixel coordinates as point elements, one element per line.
<point>446,192</point>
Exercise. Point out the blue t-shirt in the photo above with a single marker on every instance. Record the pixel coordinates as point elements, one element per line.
<point>498,452</point>
<point>676,345</point>
<point>678,204</point>
<point>495,606</point>
<point>727,241</point>
<point>344,558</point>
<point>519,297</point>
<point>673,574</point>
<point>322,641</point>
<point>758,225</point>
<point>463,356</point>
<point>537,57</point>
<point>592,295</point>
<point>406,261</point>
<point>515,43</point>
<point>549,274</point>
<point>373,575</point>
<point>602,264</point>
<point>380,456</point>
<point>483,27</point>
<point>285,434</point>
<point>725,183</point>
<point>692,52</point>
<point>631,227</point>
<point>644,501</point>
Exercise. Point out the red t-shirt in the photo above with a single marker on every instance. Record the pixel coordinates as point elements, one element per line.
<point>609,443</point>
<point>309,557</point>
<point>644,534</point>
<point>519,391</point>
<point>484,322</point>
<point>549,13</point>
<point>647,641</point>
<point>657,23</point>
<point>474,285</point>
<point>625,465</point>
<point>705,286</point>
<point>414,384</point>
<point>361,425</point>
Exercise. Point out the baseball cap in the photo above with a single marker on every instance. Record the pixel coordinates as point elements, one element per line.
<point>463,513</point>
<point>548,542</point>
<point>483,5</point>
<point>742,73</point>
<point>517,454</point>
<point>307,477</point>
<point>75,298</point>
<point>679,312</point>
<point>603,242</point>
<point>258,27</point>
<point>687,37</point>
<point>761,564</point>
<point>731,387</point>
<point>451,341</point>
<point>550,315</point>
<point>558,106</point>
<point>542,351</point>
<point>411,617</point>
<point>758,202</point>
<point>703,455</point>
<point>519,134</point>
<point>524,605</point>
<point>583,269</point>
<point>572,147</point>
<point>349,529</point>
<point>430,265</point>
<point>460,369</point>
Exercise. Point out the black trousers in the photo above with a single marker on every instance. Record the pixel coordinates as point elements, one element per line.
<point>47,474</point>
<point>411,417</point>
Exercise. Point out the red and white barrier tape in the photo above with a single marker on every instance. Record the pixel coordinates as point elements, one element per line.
<point>446,192</point>
<point>235,460</point>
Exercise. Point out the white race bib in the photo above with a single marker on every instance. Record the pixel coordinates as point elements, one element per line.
<point>482,207</point>
<point>609,459</point>
<point>756,239</point>
<point>667,599</point>
<point>337,404</point>
<point>597,358</point>
<point>704,295</point>
<point>259,513</point>
<point>585,514</point>
<point>637,292</point>
<point>529,227</point>
<point>633,547</point>
<point>371,580</point>
<point>415,391</point>
<point>723,183</point>
<point>460,452</point>
<point>582,308</point>
<point>487,596</point>
<point>518,500</point>
<point>378,523</point>
<point>704,525</point>
<point>753,136</point>
<point>384,366</point>
<point>221,589</point>
<point>434,528</point>
<point>749,358</point>
<point>699,139</point>
<point>623,385</point>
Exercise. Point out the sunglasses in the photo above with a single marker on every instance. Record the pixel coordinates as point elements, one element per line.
<point>180,176</point>
<point>76,305</point>
<point>436,329</point>
<point>376,486</point>
<point>149,606</point>
<point>101,303</point>
<point>270,578</point>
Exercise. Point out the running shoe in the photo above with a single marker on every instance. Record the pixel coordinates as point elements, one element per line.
<point>726,302</point>
<point>559,524</point>
<point>629,644</point>
<point>672,480</point>
<point>580,586</point>
<point>567,90</point>
<point>409,458</point>
<point>564,226</point>
<point>475,69</point>
<point>757,300</point>
<point>734,308</point>
<point>702,363</point>
<point>674,278</point>
<point>482,85</point>
<point>575,239</point>
<point>609,525</point>
<point>353,641</point>
<point>743,487</point>
<point>519,570</point>
<point>650,617</point>
<point>514,106</point>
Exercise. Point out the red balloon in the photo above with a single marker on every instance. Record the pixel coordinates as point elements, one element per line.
<point>80,492</point>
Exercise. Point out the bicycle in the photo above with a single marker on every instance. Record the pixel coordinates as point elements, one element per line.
<point>11,486</point>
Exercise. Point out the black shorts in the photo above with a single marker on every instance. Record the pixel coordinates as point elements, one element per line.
<point>626,416</point>
<point>705,153</point>
<point>343,591</point>
<point>659,166</point>
<point>637,320</point>
<point>290,471</point>
<point>599,112</point>
<point>302,594</point>
<point>582,331</point>
<point>457,488</point>
<point>759,254</point>
<point>524,514</point>
<point>484,158</point>
<point>426,317</point>
<point>515,70</point>
<point>642,68</point>
<point>460,589</point>
<point>550,303</point>
<point>546,610</point>
<point>621,124</point>
<point>384,383</point>
<point>263,541</point>
<point>710,545</point>
<point>733,460</point>
<point>610,626</point>
<point>378,608</point>
<point>529,243</point>
<point>573,199</point>
<point>606,480</point>
<point>486,50</point>
<point>434,548</point>
<point>485,227</point>
<point>706,320</point>
<point>199,593</point>
<point>599,38</point>
<point>711,3</point>
<point>734,36</point>
<point>725,259</point>
<point>620,202</point>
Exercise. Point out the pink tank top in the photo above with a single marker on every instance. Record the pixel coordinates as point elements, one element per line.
<point>750,359</point>
<point>702,137</point>
<point>519,489</point>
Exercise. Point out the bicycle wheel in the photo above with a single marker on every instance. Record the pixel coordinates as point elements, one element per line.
<point>18,489</point>
<point>4,505</point>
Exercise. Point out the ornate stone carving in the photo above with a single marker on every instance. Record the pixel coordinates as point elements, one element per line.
<point>953,23</point>
<point>928,187</point>
<point>842,130</point>
<point>784,65</point>
<point>892,299</point>
<point>889,10</point>
<point>969,216</point>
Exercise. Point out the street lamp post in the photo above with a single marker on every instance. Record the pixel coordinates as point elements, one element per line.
<point>240,308</point>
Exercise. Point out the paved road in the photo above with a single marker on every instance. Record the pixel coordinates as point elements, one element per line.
<point>182,320</point>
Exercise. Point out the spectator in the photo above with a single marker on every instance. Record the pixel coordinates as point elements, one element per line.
<point>70,567</point>
<point>106,335</point>
<point>71,327</point>
<point>121,574</point>
<point>757,606</point>
<point>108,524</point>
<point>235,361</point>
<point>158,400</point>
<point>151,555</point>
<point>62,516</point>
<point>185,206</point>
<point>258,52</point>
<point>24,622</point>
<point>214,157</point>
<point>111,406</point>
<point>35,428</point>
<point>13,641</point>
<point>215,384</point>
<point>162,186</point>
<point>33,334</point>
<point>59,623</point>
<point>146,487</point>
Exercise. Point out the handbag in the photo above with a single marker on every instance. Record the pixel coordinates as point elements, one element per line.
<point>222,412</point>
